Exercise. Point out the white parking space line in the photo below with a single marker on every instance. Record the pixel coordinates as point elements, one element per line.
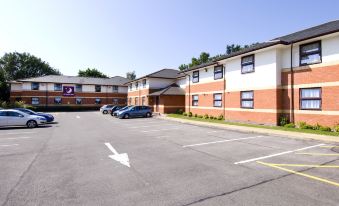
<point>144,126</point>
<point>277,154</point>
<point>11,138</point>
<point>157,130</point>
<point>78,117</point>
<point>221,141</point>
<point>15,133</point>
<point>8,145</point>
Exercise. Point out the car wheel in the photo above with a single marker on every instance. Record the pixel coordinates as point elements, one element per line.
<point>105,112</point>
<point>148,114</point>
<point>31,124</point>
<point>126,116</point>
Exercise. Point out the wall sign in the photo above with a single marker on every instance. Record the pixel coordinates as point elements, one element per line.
<point>68,91</point>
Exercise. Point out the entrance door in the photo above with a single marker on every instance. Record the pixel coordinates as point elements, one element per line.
<point>157,100</point>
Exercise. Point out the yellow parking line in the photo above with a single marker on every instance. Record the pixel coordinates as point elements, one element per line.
<point>301,174</point>
<point>302,165</point>
<point>318,154</point>
<point>328,146</point>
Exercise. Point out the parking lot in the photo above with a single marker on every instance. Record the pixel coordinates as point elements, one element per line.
<point>87,158</point>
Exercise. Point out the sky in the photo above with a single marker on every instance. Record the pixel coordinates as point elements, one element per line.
<point>117,36</point>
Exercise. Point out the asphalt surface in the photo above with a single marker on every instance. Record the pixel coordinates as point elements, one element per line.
<point>68,163</point>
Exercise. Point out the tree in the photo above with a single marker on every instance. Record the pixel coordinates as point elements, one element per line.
<point>91,72</point>
<point>131,75</point>
<point>14,66</point>
<point>233,48</point>
<point>204,57</point>
<point>183,67</point>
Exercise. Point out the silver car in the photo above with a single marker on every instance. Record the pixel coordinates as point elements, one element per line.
<point>106,109</point>
<point>11,117</point>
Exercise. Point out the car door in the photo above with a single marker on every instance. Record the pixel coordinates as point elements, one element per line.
<point>15,119</point>
<point>3,118</point>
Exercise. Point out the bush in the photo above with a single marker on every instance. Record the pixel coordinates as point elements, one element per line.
<point>317,127</point>
<point>195,115</point>
<point>206,116</point>
<point>211,117</point>
<point>200,116</point>
<point>221,117</point>
<point>289,125</point>
<point>336,128</point>
<point>184,113</point>
<point>283,120</point>
<point>179,111</point>
<point>303,125</point>
<point>325,129</point>
<point>190,114</point>
<point>215,118</point>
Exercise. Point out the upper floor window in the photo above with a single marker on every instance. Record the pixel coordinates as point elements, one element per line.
<point>144,83</point>
<point>78,88</point>
<point>97,88</point>
<point>195,77</point>
<point>130,86</point>
<point>136,85</point>
<point>247,64</point>
<point>310,53</point>
<point>57,87</point>
<point>247,99</point>
<point>195,100</point>
<point>310,98</point>
<point>217,100</point>
<point>218,72</point>
<point>35,86</point>
<point>115,88</point>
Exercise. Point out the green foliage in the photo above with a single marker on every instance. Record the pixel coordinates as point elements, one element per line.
<point>324,128</point>
<point>190,114</point>
<point>289,125</point>
<point>91,72</point>
<point>336,128</point>
<point>16,104</point>
<point>317,127</point>
<point>211,117</point>
<point>183,67</point>
<point>131,75</point>
<point>179,111</point>
<point>206,116</point>
<point>283,120</point>
<point>184,113</point>
<point>200,116</point>
<point>195,115</point>
<point>221,117</point>
<point>303,125</point>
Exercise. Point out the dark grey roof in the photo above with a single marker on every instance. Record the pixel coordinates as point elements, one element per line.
<point>313,32</point>
<point>173,89</point>
<point>117,80</point>
<point>163,73</point>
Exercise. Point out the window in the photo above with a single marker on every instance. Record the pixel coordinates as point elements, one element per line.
<point>78,88</point>
<point>195,77</point>
<point>136,85</point>
<point>115,101</point>
<point>195,100</point>
<point>14,114</point>
<point>136,101</point>
<point>130,101</point>
<point>310,98</point>
<point>310,53</point>
<point>115,88</point>
<point>78,101</point>
<point>97,88</point>
<point>217,100</point>
<point>247,99</point>
<point>3,114</point>
<point>144,83</point>
<point>35,100</point>
<point>97,101</point>
<point>35,86</point>
<point>130,86</point>
<point>143,99</point>
<point>57,87</point>
<point>57,100</point>
<point>218,72</point>
<point>247,64</point>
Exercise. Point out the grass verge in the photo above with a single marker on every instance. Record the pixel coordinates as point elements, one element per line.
<point>309,131</point>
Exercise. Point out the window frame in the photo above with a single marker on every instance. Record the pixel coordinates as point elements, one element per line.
<point>198,76</point>
<point>193,101</point>
<point>144,82</point>
<point>97,86</point>
<point>77,86</point>
<point>38,99</point>
<point>136,101</point>
<point>56,102</point>
<point>143,100</point>
<point>95,101</point>
<point>76,100</point>
<point>115,90</point>
<point>55,87</point>
<point>311,98</point>
<point>32,87</point>
<point>222,72</point>
<point>215,100</point>
<point>115,101</point>
<point>246,64</point>
<point>247,99</point>
<point>302,55</point>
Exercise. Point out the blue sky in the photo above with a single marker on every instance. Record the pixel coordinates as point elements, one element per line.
<point>145,36</point>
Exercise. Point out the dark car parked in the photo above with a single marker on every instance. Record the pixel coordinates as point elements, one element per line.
<point>48,117</point>
<point>116,108</point>
<point>135,111</point>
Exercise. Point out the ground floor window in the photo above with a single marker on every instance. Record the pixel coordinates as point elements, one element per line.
<point>115,101</point>
<point>247,99</point>
<point>143,99</point>
<point>57,100</point>
<point>310,98</point>
<point>18,99</point>
<point>130,101</point>
<point>136,101</point>
<point>195,100</point>
<point>78,101</point>
<point>97,101</point>
<point>35,101</point>
<point>217,100</point>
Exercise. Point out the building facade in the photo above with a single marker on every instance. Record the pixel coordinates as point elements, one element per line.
<point>69,91</point>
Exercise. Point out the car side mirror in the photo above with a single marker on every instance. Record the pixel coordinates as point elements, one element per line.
<point>21,115</point>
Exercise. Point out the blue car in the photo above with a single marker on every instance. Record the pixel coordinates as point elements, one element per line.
<point>135,111</point>
<point>48,117</point>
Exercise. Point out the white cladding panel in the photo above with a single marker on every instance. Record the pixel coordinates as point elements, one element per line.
<point>181,82</point>
<point>157,83</point>
<point>122,90</point>
<point>88,88</point>
<point>264,75</point>
<point>16,87</point>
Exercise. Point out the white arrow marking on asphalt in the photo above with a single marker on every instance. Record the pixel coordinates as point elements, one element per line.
<point>122,158</point>
<point>78,117</point>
